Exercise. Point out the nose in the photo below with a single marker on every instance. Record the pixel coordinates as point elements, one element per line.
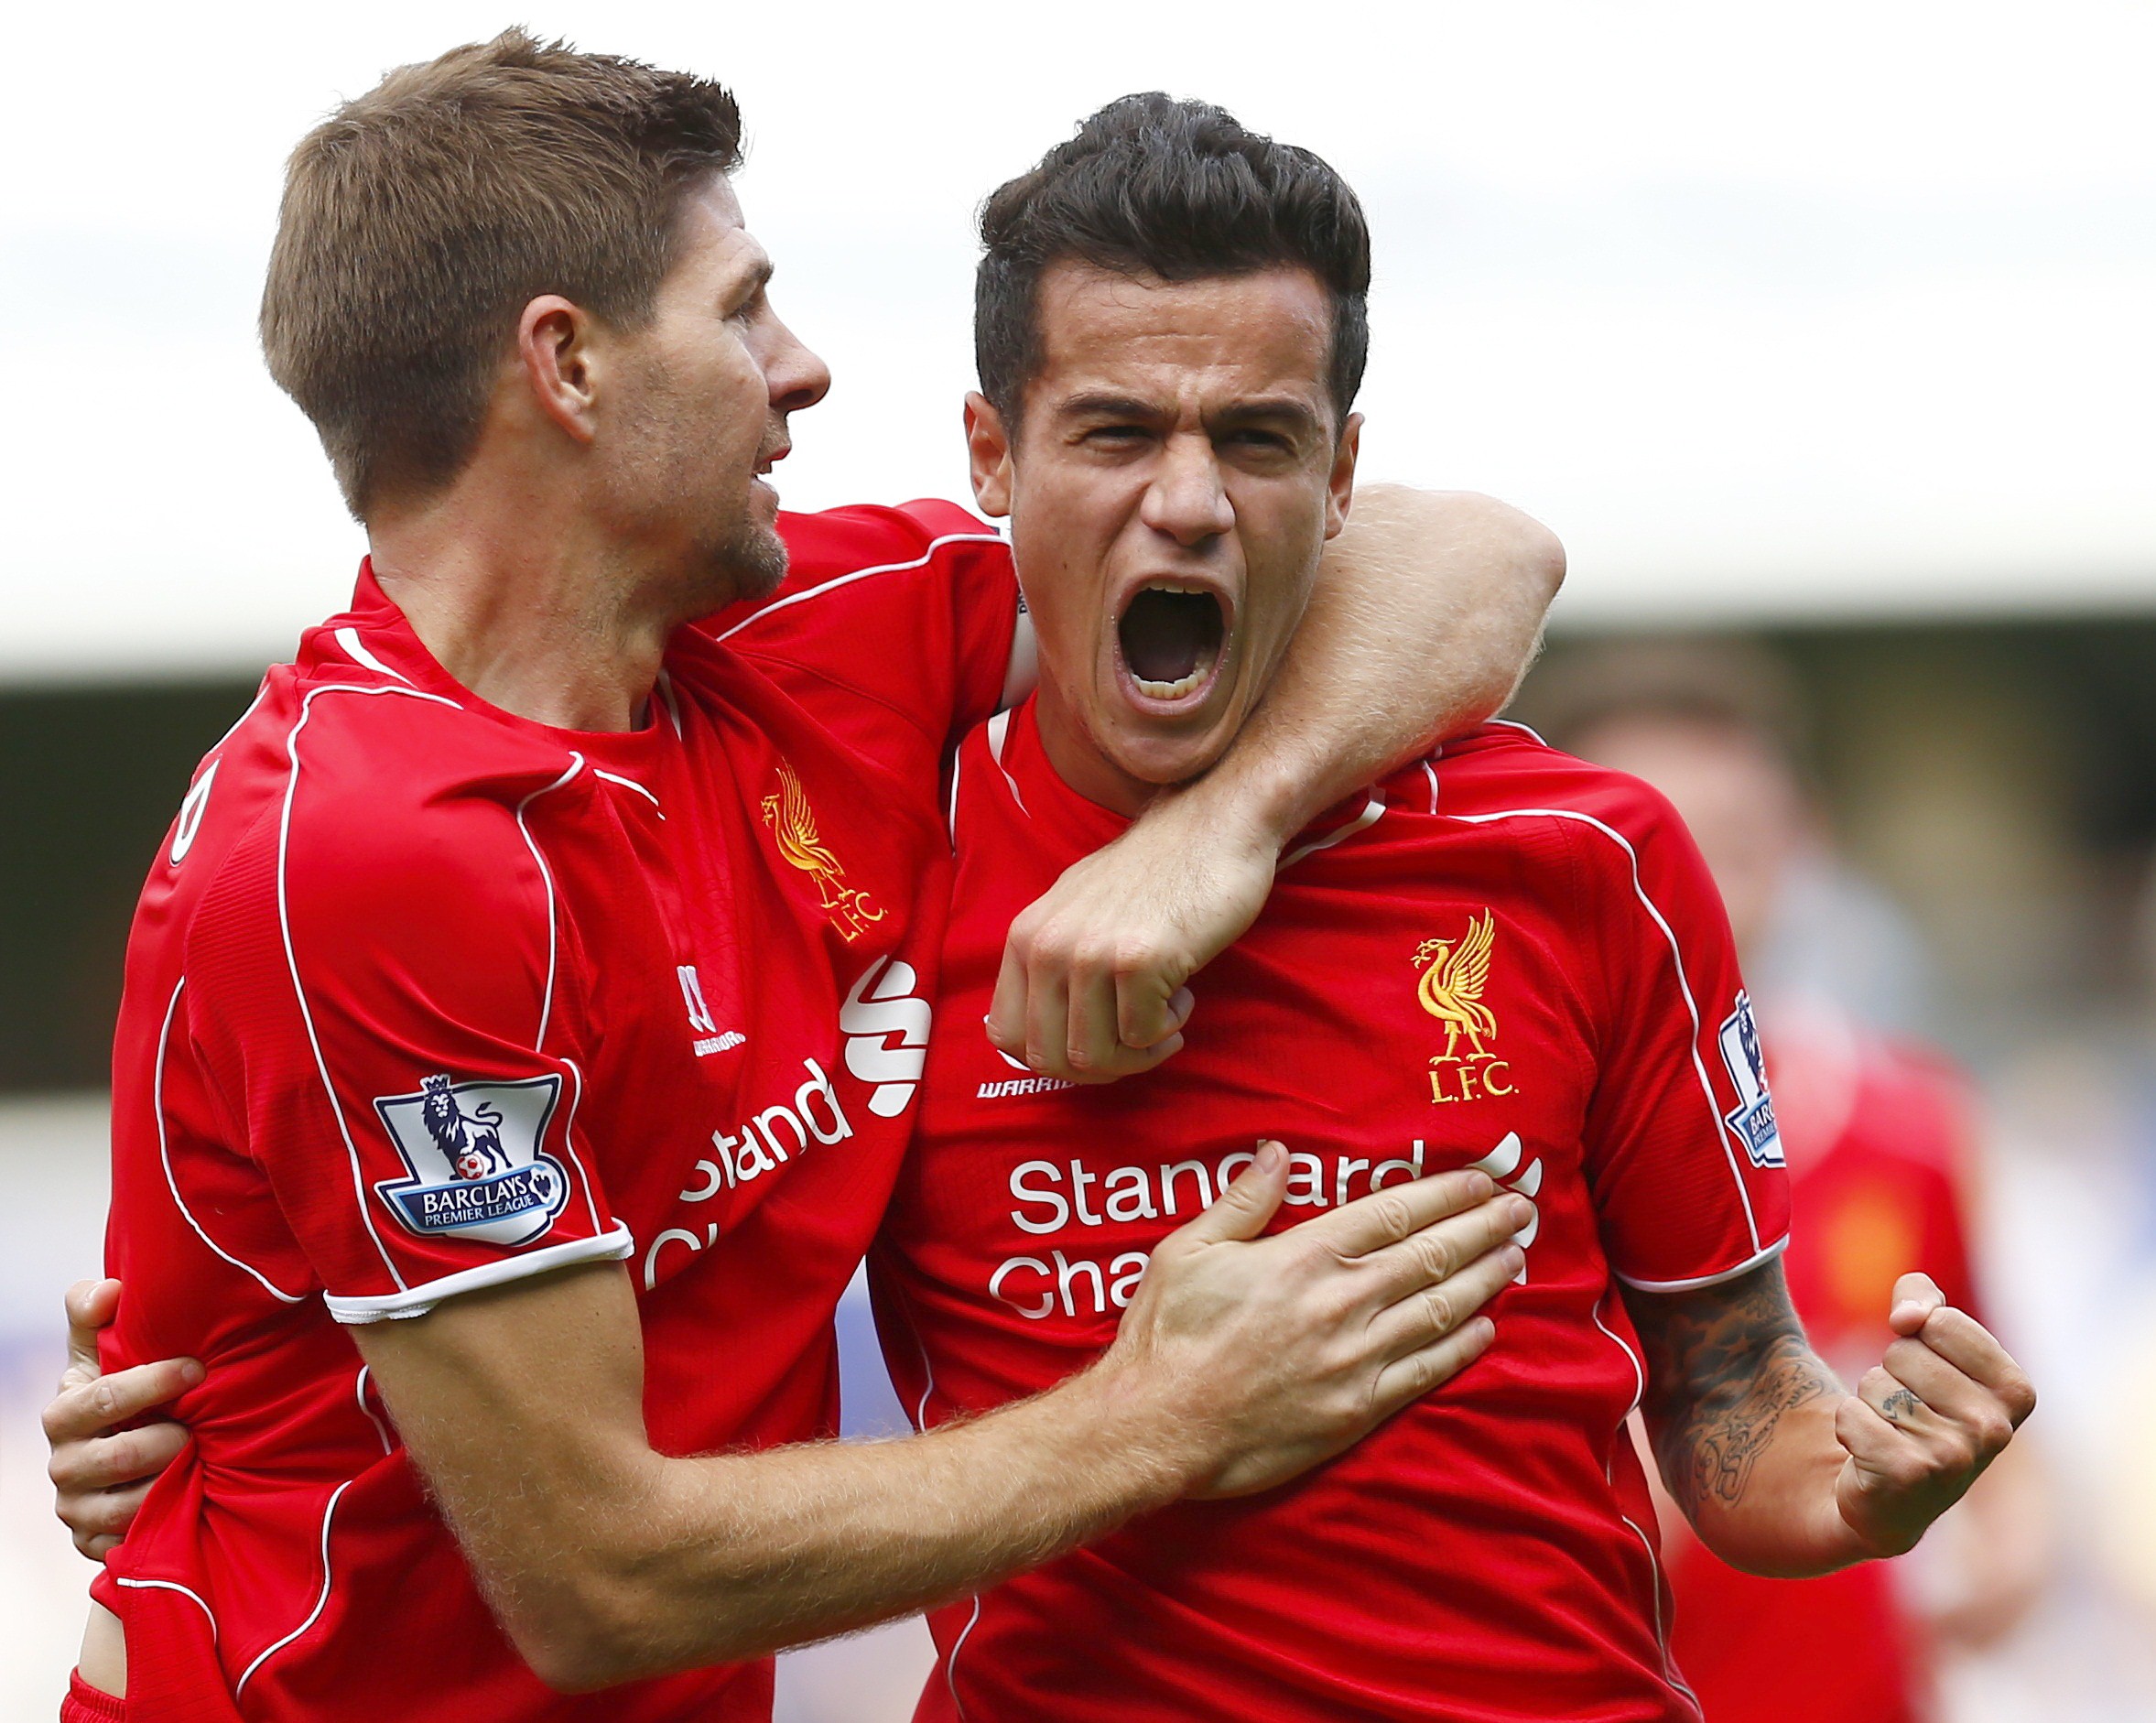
<point>796,377</point>
<point>1185,499</point>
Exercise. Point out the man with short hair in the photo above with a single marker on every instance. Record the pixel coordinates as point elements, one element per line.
<point>1498,958</point>
<point>525,1016</point>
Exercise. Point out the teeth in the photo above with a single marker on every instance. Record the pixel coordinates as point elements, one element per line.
<point>1174,691</point>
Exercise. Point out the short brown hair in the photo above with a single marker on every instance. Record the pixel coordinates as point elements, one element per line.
<point>1178,189</point>
<point>420,219</point>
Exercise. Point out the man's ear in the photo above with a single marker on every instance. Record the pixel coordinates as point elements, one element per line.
<point>1340,485</point>
<point>554,350</point>
<point>988,450</point>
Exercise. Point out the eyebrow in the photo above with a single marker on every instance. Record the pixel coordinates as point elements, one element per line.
<point>754,282</point>
<point>1107,405</point>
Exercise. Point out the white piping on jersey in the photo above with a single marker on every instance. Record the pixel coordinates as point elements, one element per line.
<point>360,1391</point>
<point>1706,1089</point>
<point>1373,811</point>
<point>320,1603</point>
<point>950,1663</point>
<point>173,1585</point>
<point>244,716</point>
<point>999,731</point>
<point>417,1301</point>
<point>628,784</point>
<point>1669,1671</point>
<point>1631,1357</point>
<point>1514,723</point>
<point>957,761</point>
<point>1697,1281</point>
<point>666,688</point>
<point>576,764</point>
<point>569,1138</point>
<point>349,639</point>
<point>1430,772</point>
<point>172,1184</point>
<point>359,1184</point>
<point>935,545</point>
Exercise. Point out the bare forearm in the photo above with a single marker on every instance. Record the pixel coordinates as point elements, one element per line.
<point>1755,1474</point>
<point>1428,608</point>
<point>745,1554</point>
<point>1742,1413</point>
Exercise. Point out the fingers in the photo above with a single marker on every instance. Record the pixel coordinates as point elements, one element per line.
<point>110,1461</point>
<point>1385,1216</point>
<point>99,1522</point>
<point>1242,1210</point>
<point>1006,1012</point>
<point>1439,1251</point>
<point>93,1408</point>
<point>1149,1006</point>
<point>1080,1014</point>
<point>1966,1344</point>
<point>91,1305</point>
<point>1915,1297</point>
<point>1433,1311</point>
<point>1432,1366</point>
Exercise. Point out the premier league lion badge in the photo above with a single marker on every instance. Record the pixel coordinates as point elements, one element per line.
<point>1754,1118</point>
<point>476,1166</point>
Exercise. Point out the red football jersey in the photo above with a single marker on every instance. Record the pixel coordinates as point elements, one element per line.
<point>1878,1138</point>
<point>1505,959</point>
<point>423,997</point>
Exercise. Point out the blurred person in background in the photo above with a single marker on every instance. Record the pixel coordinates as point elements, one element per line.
<point>1881,1139</point>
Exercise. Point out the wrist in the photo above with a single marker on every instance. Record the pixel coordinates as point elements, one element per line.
<point>1119,1410</point>
<point>1255,803</point>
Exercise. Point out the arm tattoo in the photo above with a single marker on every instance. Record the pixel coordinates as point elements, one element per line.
<point>1723,1364</point>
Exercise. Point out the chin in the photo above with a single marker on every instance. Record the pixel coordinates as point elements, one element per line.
<point>1168,760</point>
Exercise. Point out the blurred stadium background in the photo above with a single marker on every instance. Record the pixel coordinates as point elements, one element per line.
<point>1821,328</point>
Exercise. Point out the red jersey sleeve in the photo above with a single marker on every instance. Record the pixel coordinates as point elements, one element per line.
<point>1682,1150</point>
<point>913,610</point>
<point>385,1013</point>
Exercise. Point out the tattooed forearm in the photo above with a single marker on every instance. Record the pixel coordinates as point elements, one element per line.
<point>1725,1365</point>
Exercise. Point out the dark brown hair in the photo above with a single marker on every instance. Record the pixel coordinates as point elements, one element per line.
<point>1177,189</point>
<point>422,218</point>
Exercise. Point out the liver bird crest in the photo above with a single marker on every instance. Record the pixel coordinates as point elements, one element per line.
<point>1454,975</point>
<point>793,827</point>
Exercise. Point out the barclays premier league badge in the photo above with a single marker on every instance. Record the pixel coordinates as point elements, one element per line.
<point>1753,1119</point>
<point>473,1152</point>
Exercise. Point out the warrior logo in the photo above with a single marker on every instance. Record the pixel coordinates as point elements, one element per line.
<point>793,825</point>
<point>1754,1118</point>
<point>473,1150</point>
<point>1454,973</point>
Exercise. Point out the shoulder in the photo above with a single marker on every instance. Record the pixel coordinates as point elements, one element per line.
<point>398,806</point>
<point>866,536</point>
<point>865,550</point>
<point>1504,771</point>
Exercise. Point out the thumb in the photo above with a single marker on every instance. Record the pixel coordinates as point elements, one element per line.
<point>90,1305</point>
<point>1245,1207</point>
<point>1915,1297</point>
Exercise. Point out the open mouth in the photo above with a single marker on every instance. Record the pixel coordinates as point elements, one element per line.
<point>1170,637</point>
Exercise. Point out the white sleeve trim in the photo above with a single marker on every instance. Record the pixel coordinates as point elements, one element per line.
<point>417,1301</point>
<point>1745,1267</point>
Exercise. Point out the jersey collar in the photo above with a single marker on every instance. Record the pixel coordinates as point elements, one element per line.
<point>373,638</point>
<point>1013,741</point>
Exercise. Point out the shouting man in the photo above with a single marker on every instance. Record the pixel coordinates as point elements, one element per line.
<point>1498,958</point>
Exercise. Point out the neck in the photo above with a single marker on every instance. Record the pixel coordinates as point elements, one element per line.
<point>1081,764</point>
<point>522,603</point>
